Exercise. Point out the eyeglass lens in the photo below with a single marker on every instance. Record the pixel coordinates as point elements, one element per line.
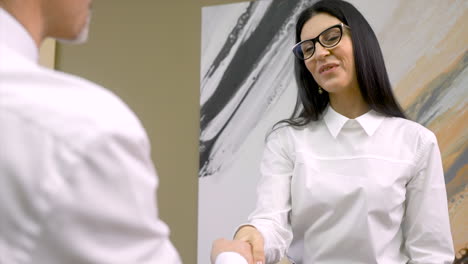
<point>329,38</point>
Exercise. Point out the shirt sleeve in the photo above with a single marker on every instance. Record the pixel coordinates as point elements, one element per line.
<point>271,215</point>
<point>426,225</point>
<point>105,211</point>
<point>230,258</point>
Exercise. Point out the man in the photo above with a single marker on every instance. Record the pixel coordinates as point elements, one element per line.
<point>77,184</point>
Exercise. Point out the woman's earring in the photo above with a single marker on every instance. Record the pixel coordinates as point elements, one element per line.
<point>320,91</point>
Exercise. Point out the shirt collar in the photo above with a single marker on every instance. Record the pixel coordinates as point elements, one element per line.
<point>16,37</point>
<point>369,121</point>
<point>334,121</point>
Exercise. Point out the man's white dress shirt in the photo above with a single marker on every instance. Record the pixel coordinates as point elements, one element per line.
<point>77,184</point>
<point>367,190</point>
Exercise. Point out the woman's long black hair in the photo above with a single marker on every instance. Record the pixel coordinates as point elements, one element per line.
<point>371,73</point>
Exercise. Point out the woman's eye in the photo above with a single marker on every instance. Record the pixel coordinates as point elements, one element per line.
<point>307,48</point>
<point>331,38</point>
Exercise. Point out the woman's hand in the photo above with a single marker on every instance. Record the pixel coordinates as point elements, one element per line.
<point>252,236</point>
<point>223,245</point>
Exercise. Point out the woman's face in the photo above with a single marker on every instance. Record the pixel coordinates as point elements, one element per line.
<point>332,68</point>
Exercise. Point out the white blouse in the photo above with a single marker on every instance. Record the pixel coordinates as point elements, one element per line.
<point>365,190</point>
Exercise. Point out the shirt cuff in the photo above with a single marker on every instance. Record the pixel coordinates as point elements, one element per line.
<point>230,258</point>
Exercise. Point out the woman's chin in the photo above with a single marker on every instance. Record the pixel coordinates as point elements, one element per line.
<point>335,87</point>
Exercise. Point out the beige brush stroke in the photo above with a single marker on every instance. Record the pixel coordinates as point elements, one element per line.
<point>452,132</point>
<point>458,210</point>
<point>409,88</point>
<point>406,28</point>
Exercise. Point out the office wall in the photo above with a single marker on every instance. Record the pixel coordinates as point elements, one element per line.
<point>148,53</point>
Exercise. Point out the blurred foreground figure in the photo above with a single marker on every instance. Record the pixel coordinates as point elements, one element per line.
<point>77,184</point>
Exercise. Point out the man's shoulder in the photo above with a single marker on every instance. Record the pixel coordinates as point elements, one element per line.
<point>67,105</point>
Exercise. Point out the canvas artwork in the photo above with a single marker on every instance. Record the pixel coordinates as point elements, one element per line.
<point>247,85</point>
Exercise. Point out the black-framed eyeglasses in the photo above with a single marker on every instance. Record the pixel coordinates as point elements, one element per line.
<point>329,38</point>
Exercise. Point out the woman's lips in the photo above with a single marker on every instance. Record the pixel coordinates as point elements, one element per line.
<point>327,68</point>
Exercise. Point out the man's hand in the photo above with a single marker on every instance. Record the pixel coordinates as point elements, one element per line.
<point>252,236</point>
<point>223,245</point>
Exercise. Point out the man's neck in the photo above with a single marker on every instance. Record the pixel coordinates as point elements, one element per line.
<point>28,14</point>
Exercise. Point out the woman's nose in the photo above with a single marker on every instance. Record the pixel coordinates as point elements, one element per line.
<point>320,51</point>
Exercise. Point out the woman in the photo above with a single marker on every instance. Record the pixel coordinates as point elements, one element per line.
<point>347,179</point>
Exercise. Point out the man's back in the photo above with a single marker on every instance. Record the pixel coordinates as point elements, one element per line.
<point>77,184</point>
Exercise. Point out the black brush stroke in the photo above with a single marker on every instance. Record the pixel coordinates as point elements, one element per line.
<point>244,61</point>
<point>231,41</point>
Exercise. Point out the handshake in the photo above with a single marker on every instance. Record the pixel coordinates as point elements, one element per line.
<point>246,248</point>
